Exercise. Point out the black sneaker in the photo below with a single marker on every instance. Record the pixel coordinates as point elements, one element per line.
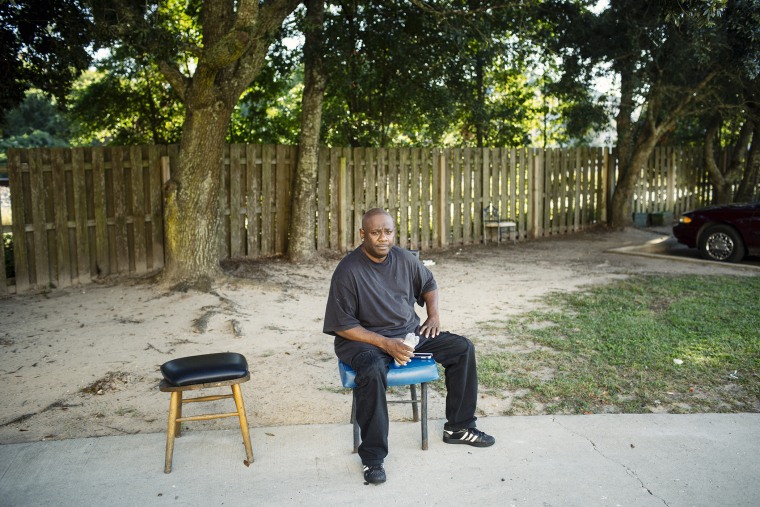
<point>469,436</point>
<point>374,474</point>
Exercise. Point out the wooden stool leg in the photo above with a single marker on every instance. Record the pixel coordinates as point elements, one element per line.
<point>174,404</point>
<point>357,430</point>
<point>424,396</point>
<point>415,410</point>
<point>237,394</point>
<point>178,429</point>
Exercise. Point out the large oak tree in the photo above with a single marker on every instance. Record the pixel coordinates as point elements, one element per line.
<point>225,43</point>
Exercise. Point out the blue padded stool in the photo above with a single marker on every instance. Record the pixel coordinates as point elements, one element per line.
<point>202,372</point>
<point>417,371</point>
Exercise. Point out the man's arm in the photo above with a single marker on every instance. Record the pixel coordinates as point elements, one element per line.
<point>394,347</point>
<point>432,325</point>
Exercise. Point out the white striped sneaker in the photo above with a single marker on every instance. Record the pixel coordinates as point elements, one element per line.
<point>469,436</point>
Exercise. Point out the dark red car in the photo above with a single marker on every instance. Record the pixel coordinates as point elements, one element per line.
<point>722,233</point>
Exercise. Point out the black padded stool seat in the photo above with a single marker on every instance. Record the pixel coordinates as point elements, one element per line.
<point>202,372</point>
<point>205,368</point>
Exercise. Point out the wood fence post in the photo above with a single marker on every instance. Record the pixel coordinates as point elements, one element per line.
<point>38,196</point>
<point>609,181</point>
<point>671,198</point>
<point>442,215</point>
<point>166,175</point>
<point>342,207</point>
<point>19,218</point>
<point>166,172</point>
<point>536,196</point>
<point>605,182</point>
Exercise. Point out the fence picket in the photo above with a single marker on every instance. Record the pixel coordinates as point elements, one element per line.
<point>335,189</point>
<point>403,195</point>
<point>424,202</point>
<point>38,195</point>
<point>471,223</point>
<point>138,210</point>
<point>237,186</point>
<point>154,200</point>
<point>119,190</point>
<point>323,201</point>
<point>62,271</point>
<point>267,200</point>
<point>102,259</point>
<point>253,182</point>
<point>285,164</point>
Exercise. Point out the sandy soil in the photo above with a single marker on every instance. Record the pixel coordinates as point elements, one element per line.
<point>84,362</point>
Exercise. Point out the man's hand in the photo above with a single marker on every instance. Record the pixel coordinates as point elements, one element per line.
<point>396,348</point>
<point>431,328</point>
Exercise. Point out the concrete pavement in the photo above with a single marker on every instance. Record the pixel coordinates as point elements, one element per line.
<point>593,460</point>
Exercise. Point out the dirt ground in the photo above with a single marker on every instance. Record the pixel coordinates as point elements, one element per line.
<point>84,362</point>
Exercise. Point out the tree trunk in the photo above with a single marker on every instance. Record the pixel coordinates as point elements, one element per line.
<point>751,178</point>
<point>721,187</point>
<point>302,244</point>
<point>192,217</point>
<point>723,181</point>
<point>621,216</point>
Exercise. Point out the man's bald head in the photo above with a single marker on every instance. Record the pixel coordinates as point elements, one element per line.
<point>371,213</point>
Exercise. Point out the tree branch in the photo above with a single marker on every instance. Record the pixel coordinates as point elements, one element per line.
<point>227,51</point>
<point>263,22</point>
<point>248,11</point>
<point>708,154</point>
<point>735,168</point>
<point>693,94</point>
<point>681,107</point>
<point>178,81</point>
<point>271,16</point>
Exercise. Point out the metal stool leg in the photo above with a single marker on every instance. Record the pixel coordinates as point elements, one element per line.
<point>237,394</point>
<point>424,396</point>
<point>415,409</point>
<point>357,431</point>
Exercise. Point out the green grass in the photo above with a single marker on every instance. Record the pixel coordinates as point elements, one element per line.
<point>612,349</point>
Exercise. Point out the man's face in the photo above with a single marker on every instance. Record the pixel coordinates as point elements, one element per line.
<point>378,236</point>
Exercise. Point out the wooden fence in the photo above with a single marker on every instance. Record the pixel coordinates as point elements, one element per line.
<point>84,213</point>
<point>673,181</point>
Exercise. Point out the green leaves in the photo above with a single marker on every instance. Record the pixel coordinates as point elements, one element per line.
<point>43,44</point>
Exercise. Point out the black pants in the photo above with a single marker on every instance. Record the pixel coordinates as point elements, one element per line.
<point>456,354</point>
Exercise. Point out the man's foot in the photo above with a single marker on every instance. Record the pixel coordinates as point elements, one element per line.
<point>374,474</point>
<point>469,436</point>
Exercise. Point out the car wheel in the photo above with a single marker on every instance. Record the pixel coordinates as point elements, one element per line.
<point>721,243</point>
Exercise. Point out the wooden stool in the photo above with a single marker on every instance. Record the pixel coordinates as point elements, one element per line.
<point>417,371</point>
<point>201,372</point>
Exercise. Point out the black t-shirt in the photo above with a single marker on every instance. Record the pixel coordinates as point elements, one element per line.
<point>377,296</point>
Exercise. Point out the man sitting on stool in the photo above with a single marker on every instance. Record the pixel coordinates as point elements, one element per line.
<point>370,309</point>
